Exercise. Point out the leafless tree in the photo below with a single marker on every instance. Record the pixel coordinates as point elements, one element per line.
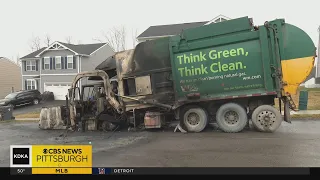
<point>35,43</point>
<point>116,38</point>
<point>18,62</point>
<point>47,40</point>
<point>68,39</point>
<point>134,37</point>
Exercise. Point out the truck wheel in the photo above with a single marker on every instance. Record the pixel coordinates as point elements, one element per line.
<point>193,118</point>
<point>231,118</point>
<point>107,126</point>
<point>266,118</point>
<point>35,101</point>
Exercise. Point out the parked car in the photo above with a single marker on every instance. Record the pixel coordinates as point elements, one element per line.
<point>21,98</point>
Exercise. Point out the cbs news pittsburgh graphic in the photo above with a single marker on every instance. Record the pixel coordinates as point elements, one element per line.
<point>51,159</point>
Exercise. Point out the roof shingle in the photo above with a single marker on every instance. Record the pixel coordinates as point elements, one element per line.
<point>33,54</point>
<point>171,29</point>
<point>85,49</point>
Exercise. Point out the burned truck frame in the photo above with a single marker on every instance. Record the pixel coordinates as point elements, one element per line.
<point>106,98</point>
<point>142,89</point>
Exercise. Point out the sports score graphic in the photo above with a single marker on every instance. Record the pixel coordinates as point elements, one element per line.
<point>52,159</point>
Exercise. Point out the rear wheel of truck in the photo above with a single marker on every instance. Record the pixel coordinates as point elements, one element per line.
<point>193,118</point>
<point>231,118</point>
<point>266,118</point>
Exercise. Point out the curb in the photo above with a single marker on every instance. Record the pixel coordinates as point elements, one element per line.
<point>18,121</point>
<point>303,112</point>
<point>306,112</point>
<point>27,119</point>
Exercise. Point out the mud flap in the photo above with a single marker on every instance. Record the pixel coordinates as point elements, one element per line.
<point>287,117</point>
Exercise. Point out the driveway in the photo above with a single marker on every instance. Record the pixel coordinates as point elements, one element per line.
<point>33,108</point>
<point>293,145</point>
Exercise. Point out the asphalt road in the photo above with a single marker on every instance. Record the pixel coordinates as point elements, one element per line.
<point>33,108</point>
<point>293,145</point>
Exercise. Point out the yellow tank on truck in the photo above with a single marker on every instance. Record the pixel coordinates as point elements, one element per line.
<point>297,57</point>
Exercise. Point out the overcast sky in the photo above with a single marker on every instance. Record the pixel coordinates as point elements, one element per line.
<point>84,20</point>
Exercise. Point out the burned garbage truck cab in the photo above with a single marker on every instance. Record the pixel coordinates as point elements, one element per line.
<point>86,109</point>
<point>145,83</point>
<point>90,105</point>
<point>140,90</point>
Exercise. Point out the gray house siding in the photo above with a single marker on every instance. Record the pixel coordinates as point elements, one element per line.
<point>90,63</point>
<point>63,53</point>
<point>24,82</point>
<point>52,53</point>
<point>24,67</point>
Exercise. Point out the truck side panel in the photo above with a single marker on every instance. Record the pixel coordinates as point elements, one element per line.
<point>220,70</point>
<point>229,65</point>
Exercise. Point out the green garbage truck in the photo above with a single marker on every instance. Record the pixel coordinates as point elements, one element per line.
<point>229,72</point>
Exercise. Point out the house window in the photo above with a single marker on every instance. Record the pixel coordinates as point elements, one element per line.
<point>31,65</point>
<point>58,62</point>
<point>31,84</point>
<point>70,62</point>
<point>47,63</point>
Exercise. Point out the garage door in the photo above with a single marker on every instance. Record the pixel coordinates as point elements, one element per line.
<point>59,90</point>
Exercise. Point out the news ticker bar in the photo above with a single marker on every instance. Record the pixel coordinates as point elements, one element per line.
<point>162,171</point>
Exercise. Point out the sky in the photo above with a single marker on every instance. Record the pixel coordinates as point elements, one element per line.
<point>85,20</point>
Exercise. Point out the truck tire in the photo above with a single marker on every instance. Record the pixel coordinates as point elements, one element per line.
<point>231,118</point>
<point>266,118</point>
<point>193,118</point>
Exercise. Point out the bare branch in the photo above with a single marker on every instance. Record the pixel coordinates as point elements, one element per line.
<point>123,38</point>
<point>115,38</point>
<point>18,62</point>
<point>47,40</point>
<point>35,43</point>
<point>68,39</point>
<point>97,39</point>
<point>134,37</point>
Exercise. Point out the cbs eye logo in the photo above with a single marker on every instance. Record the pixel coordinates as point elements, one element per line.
<point>20,156</point>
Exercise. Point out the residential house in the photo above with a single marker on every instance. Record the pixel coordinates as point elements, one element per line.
<point>312,81</point>
<point>10,77</point>
<point>53,68</point>
<point>160,31</point>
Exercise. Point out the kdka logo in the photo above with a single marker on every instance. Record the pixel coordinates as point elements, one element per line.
<point>20,156</point>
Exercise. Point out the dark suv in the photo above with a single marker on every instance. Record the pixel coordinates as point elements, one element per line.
<point>21,98</point>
